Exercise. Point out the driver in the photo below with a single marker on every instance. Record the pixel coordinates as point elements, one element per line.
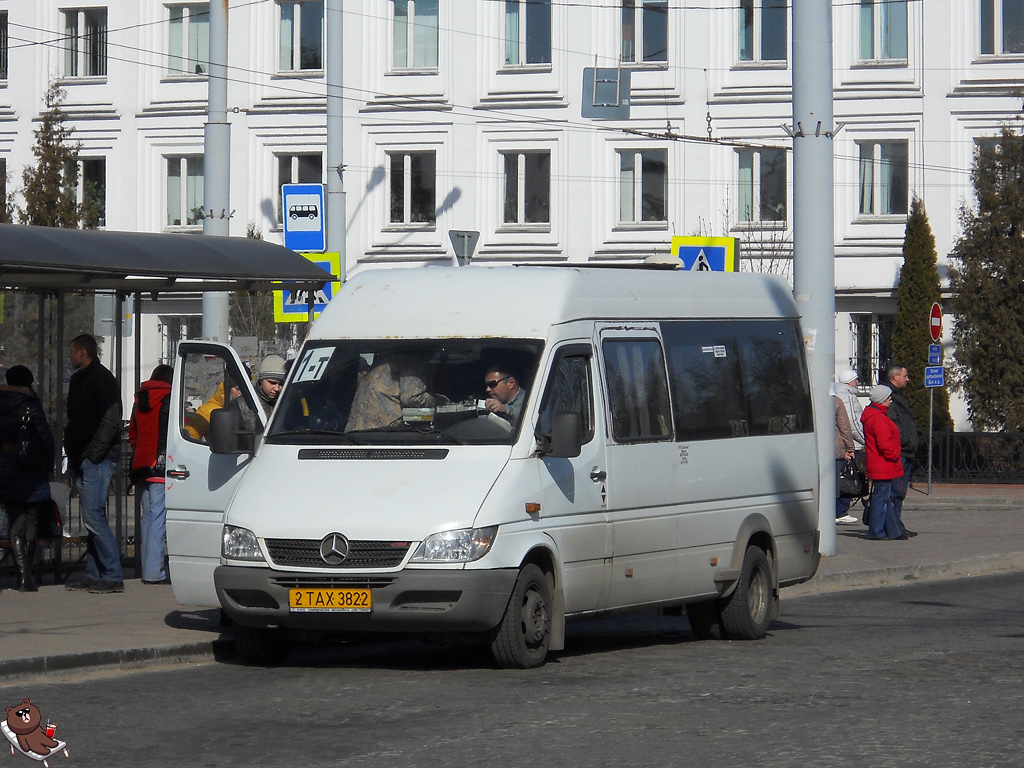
<point>505,398</point>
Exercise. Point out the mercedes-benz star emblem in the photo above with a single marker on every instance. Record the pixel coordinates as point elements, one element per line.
<point>334,549</point>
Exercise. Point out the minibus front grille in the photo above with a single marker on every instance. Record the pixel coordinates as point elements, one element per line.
<point>334,582</point>
<point>305,553</point>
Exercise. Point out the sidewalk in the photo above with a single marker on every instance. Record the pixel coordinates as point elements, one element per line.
<point>964,531</point>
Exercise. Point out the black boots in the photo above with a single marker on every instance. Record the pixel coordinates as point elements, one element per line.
<point>24,554</point>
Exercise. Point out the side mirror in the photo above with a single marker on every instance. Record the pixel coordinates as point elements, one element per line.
<point>226,435</point>
<point>566,436</point>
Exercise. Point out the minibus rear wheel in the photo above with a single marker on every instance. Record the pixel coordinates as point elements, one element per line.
<point>747,612</point>
<point>263,646</point>
<point>521,640</point>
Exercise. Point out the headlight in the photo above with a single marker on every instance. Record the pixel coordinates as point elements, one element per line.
<point>240,544</point>
<point>463,546</point>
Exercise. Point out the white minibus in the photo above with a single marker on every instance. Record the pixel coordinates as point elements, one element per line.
<point>490,451</point>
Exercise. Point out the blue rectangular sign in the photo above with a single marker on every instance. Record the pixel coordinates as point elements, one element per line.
<point>934,354</point>
<point>303,213</point>
<point>935,376</point>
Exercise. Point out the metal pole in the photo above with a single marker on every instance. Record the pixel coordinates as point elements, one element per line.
<point>137,311</point>
<point>931,422</point>
<point>217,164</point>
<point>813,231</point>
<point>334,74</point>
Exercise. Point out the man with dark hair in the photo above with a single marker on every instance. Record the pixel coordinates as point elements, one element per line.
<point>92,440</point>
<point>901,415</point>
<point>147,433</point>
<point>505,397</point>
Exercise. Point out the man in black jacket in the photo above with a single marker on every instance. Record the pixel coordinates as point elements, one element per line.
<point>899,412</point>
<point>92,440</point>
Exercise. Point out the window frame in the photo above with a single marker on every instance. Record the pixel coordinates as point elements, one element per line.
<point>185,190</point>
<point>637,18</point>
<point>522,198</point>
<point>411,50</point>
<point>79,41</point>
<point>756,217</point>
<point>536,12</point>
<point>188,29</point>
<point>4,46</point>
<point>881,189</point>
<point>878,15</point>
<point>752,37</point>
<point>295,49</point>
<point>638,184</point>
<point>408,190</point>
<point>992,33</point>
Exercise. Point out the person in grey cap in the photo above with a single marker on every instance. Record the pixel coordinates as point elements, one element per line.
<point>882,445</point>
<point>269,380</point>
<point>846,391</point>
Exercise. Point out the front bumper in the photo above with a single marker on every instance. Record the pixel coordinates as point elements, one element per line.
<point>419,601</point>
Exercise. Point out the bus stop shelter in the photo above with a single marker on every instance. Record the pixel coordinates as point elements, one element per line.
<point>54,262</point>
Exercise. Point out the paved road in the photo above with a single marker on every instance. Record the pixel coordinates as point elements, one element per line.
<point>928,675</point>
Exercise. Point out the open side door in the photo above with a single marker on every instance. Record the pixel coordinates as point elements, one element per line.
<point>200,483</point>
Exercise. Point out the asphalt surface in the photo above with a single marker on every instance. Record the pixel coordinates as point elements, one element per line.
<point>963,531</point>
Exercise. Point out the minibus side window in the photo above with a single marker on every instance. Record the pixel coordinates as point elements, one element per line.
<point>637,390</point>
<point>707,384</point>
<point>568,390</point>
<point>774,377</point>
<point>206,379</point>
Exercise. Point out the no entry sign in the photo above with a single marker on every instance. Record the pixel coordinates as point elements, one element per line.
<point>935,322</point>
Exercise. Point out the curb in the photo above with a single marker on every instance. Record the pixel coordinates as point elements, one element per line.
<point>887,577</point>
<point>16,669</point>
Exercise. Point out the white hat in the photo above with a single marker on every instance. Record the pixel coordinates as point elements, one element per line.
<point>848,376</point>
<point>272,367</point>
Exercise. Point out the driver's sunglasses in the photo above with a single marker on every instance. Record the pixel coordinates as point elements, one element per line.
<point>494,382</point>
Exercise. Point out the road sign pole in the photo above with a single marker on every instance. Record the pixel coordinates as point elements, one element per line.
<point>931,422</point>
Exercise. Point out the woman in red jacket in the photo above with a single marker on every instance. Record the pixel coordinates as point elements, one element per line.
<point>147,433</point>
<point>882,447</point>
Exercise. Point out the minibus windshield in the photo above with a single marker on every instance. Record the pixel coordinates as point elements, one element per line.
<point>422,392</point>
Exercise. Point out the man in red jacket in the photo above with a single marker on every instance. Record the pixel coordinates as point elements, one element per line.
<point>882,448</point>
<point>147,433</point>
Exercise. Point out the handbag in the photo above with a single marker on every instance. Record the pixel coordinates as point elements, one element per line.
<point>853,482</point>
<point>30,452</point>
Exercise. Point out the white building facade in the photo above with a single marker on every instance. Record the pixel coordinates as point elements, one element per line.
<point>468,115</point>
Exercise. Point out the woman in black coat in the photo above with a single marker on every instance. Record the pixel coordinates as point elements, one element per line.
<point>24,478</point>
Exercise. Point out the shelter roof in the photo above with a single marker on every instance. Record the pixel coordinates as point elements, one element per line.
<point>51,259</point>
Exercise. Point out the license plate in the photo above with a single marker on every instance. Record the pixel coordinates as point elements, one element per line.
<point>322,600</point>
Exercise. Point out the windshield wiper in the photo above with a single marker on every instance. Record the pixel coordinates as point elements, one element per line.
<point>311,431</point>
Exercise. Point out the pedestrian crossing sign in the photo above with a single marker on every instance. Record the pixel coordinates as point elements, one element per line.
<point>291,304</point>
<point>706,254</point>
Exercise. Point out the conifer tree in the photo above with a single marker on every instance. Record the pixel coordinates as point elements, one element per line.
<point>50,186</point>
<point>987,276</point>
<point>918,289</point>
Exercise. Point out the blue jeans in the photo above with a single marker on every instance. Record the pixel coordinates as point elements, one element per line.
<point>153,533</point>
<point>882,523</point>
<point>102,556</point>
<point>900,486</point>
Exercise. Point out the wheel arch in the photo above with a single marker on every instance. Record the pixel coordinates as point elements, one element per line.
<point>544,556</point>
<point>755,531</point>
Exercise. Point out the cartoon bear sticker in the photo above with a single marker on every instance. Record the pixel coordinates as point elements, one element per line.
<point>23,720</point>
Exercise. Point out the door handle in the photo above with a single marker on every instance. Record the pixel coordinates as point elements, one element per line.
<point>598,475</point>
<point>178,474</point>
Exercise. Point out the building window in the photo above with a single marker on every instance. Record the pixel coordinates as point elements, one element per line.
<point>883,178</point>
<point>762,181</point>
<point>3,46</point>
<point>297,169</point>
<point>188,39</point>
<point>184,191</point>
<point>527,32</point>
<point>1002,26</point>
<point>763,34</point>
<point>302,36</point>
<point>413,181</point>
<point>871,337</point>
<point>527,187</point>
<point>3,190</point>
<point>85,42</point>
<point>643,185</point>
<point>883,29</point>
<point>645,21</point>
<point>90,189</point>
<point>415,34</point>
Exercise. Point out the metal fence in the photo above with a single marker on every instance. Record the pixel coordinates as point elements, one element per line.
<point>972,457</point>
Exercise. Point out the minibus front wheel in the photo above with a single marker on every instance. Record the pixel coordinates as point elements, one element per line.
<point>522,639</point>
